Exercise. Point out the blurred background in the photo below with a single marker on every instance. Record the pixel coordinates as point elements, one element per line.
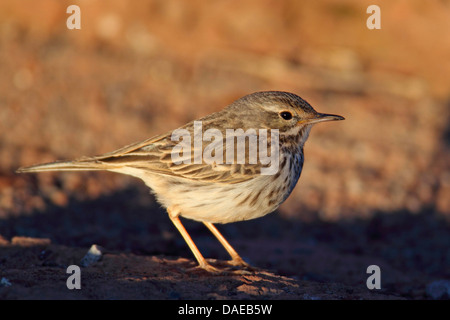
<point>377,183</point>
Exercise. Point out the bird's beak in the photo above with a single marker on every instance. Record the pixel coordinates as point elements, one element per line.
<point>320,117</point>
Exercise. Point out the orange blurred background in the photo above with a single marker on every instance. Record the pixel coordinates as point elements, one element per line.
<point>142,68</point>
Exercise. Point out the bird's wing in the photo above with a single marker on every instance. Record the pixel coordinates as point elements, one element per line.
<point>157,155</point>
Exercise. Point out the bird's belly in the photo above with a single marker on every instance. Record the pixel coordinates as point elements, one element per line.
<point>218,202</point>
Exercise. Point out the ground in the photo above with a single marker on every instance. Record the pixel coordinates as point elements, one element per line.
<point>145,258</point>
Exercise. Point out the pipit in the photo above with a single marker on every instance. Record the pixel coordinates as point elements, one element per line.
<point>230,188</point>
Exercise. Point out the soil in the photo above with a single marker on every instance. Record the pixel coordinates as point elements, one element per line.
<point>37,269</point>
<point>143,256</point>
<point>375,189</point>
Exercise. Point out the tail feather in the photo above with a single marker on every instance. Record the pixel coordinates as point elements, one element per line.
<point>75,165</point>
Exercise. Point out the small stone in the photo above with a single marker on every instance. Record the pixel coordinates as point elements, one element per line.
<point>4,282</point>
<point>30,242</point>
<point>92,256</point>
<point>439,289</point>
<point>3,241</point>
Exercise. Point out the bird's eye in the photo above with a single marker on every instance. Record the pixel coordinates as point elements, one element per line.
<point>286,115</point>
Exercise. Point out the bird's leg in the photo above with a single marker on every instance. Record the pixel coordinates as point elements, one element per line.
<point>202,263</point>
<point>236,260</point>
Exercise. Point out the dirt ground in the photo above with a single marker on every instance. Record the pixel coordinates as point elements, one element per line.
<point>375,188</point>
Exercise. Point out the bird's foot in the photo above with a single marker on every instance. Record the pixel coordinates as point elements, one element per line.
<point>206,267</point>
<point>236,266</point>
<point>239,262</point>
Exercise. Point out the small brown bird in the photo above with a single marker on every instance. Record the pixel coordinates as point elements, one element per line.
<point>221,181</point>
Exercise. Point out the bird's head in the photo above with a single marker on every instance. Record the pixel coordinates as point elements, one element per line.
<point>279,110</point>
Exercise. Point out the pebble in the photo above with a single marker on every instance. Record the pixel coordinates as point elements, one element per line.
<point>92,256</point>
<point>4,282</point>
<point>439,289</point>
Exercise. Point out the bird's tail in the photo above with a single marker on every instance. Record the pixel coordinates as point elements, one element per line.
<point>73,165</point>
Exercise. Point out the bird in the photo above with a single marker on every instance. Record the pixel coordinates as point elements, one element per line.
<point>218,182</point>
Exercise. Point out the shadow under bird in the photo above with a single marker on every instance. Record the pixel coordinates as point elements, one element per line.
<point>217,191</point>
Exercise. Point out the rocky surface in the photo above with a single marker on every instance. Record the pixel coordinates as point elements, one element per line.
<point>35,269</point>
